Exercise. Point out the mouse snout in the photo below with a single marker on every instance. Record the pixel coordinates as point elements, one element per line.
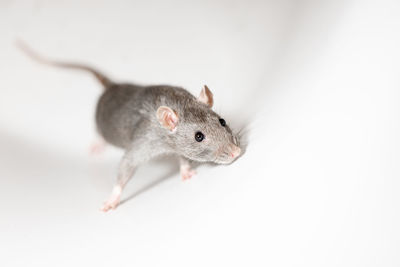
<point>234,151</point>
<point>227,154</point>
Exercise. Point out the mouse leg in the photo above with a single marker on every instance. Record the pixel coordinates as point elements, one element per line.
<point>140,151</point>
<point>125,172</point>
<point>186,170</point>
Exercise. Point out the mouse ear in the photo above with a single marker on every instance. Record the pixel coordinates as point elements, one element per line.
<point>167,118</point>
<point>206,97</point>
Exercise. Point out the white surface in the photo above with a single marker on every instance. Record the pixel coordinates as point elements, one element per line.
<point>317,83</point>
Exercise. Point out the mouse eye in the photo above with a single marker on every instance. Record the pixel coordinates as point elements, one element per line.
<point>223,122</point>
<point>199,136</point>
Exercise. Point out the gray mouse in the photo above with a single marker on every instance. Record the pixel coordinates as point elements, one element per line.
<point>151,121</point>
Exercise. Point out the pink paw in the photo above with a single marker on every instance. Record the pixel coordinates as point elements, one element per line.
<point>113,201</point>
<point>97,148</point>
<point>187,173</point>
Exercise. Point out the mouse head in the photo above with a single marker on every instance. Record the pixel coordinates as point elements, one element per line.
<point>198,133</point>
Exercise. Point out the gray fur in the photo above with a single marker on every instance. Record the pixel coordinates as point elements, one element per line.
<point>126,113</point>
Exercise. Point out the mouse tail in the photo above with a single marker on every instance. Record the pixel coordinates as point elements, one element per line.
<point>105,81</point>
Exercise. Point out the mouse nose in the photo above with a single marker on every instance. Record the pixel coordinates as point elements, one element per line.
<point>235,151</point>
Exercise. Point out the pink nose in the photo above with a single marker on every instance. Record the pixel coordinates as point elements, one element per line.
<point>235,151</point>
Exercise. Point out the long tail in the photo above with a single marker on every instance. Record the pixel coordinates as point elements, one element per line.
<point>106,82</point>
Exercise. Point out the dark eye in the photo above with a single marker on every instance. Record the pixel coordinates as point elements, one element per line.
<point>199,136</point>
<point>222,121</point>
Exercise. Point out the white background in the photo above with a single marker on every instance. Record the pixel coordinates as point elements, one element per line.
<point>316,83</point>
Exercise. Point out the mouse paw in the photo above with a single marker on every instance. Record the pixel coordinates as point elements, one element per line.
<point>111,203</point>
<point>187,172</point>
<point>97,147</point>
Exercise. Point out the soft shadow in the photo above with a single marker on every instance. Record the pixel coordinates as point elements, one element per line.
<point>149,186</point>
<point>170,161</point>
<point>29,159</point>
<point>35,165</point>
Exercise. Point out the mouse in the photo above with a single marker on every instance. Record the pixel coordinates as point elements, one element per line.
<point>150,121</point>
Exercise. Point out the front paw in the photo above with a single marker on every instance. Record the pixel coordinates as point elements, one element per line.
<point>187,173</point>
<point>97,148</point>
<point>113,201</point>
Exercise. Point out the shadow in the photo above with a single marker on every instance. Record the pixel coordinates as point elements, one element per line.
<point>29,164</point>
<point>151,185</point>
<point>27,159</point>
<point>306,28</point>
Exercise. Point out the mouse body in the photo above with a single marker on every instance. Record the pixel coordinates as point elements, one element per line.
<point>151,121</point>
